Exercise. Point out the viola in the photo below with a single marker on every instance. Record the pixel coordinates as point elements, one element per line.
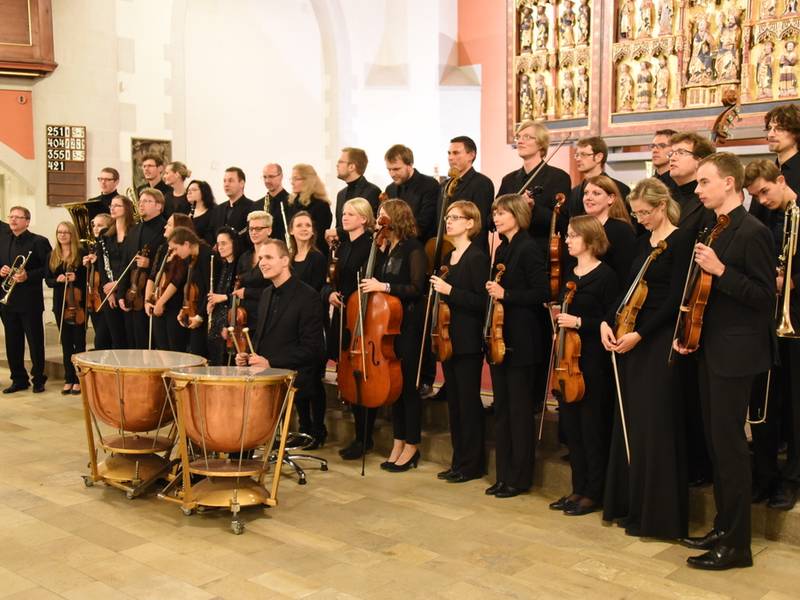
<point>493,328</point>
<point>696,293</point>
<point>436,248</point>
<point>191,297</point>
<point>93,296</point>
<point>567,376</point>
<point>633,301</point>
<point>134,295</point>
<point>369,372</point>
<point>237,319</point>
<point>441,344</point>
<point>555,249</point>
<point>74,313</point>
<point>333,264</point>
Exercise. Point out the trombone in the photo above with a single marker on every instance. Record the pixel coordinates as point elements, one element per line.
<point>9,283</point>
<point>783,318</point>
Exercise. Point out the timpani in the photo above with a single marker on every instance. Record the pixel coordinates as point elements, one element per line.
<point>128,414</point>
<point>223,414</point>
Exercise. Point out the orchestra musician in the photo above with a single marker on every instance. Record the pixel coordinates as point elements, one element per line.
<point>112,247</point>
<point>22,313</point>
<point>251,280</point>
<point>768,187</point>
<point>310,267</point>
<point>735,346</point>
<point>401,272</point>
<point>167,333</point>
<point>289,333</point>
<point>591,154</point>
<point>108,180</point>
<point>153,171</point>
<point>274,202</point>
<point>175,175</point>
<point>355,243</point>
<point>65,270</point>
<point>201,201</point>
<point>309,194</point>
<point>350,168</point>
<point>523,287</point>
<point>687,149</point>
<point>659,155</point>
<point>102,334</point>
<point>587,421</point>
<point>420,192</point>
<point>140,244</point>
<point>651,495</point>
<point>219,297</point>
<point>464,291</point>
<point>782,126</point>
<point>233,213</point>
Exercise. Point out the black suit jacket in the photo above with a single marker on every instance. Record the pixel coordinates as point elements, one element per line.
<point>477,188</point>
<point>738,330</point>
<point>27,296</point>
<point>274,208</point>
<point>421,192</point>
<point>360,188</point>
<point>467,300</point>
<point>694,216</point>
<point>293,339</point>
<point>236,217</point>
<point>150,234</point>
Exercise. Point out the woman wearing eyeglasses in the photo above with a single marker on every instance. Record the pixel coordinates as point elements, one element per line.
<point>251,281</point>
<point>651,495</point>
<point>308,194</point>
<point>463,289</point>
<point>201,204</point>
<point>113,262</point>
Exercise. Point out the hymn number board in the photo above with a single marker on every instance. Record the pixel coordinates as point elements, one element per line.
<point>66,164</point>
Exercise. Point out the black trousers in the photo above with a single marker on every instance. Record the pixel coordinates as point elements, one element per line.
<point>407,410</point>
<point>724,402</point>
<point>73,341</point>
<point>365,423</point>
<point>21,326</point>
<point>587,425</point>
<point>168,333</point>
<point>102,334</point>
<point>115,321</point>
<point>783,419</point>
<point>514,424</point>
<point>467,422</point>
<point>198,341</point>
<point>137,329</point>
<point>311,406</point>
<point>697,452</point>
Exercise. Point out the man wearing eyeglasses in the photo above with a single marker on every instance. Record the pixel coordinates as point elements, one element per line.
<point>659,155</point>
<point>687,150</point>
<point>532,141</point>
<point>276,195</point>
<point>350,168</point>
<point>22,314</point>
<point>782,126</point>
<point>591,154</point>
<point>108,180</point>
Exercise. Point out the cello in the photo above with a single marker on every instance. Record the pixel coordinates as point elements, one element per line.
<point>369,373</point>
<point>567,377</point>
<point>554,249</point>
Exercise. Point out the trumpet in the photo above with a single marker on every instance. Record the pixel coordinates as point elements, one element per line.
<point>9,282</point>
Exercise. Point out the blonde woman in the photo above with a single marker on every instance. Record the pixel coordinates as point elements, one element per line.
<point>175,175</point>
<point>308,194</point>
<point>251,281</point>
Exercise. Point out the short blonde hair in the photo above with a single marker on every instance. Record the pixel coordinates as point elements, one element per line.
<point>260,215</point>
<point>471,211</point>
<point>540,134</point>
<point>364,209</point>
<point>517,205</point>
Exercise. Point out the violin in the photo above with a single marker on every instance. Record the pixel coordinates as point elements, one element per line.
<point>441,344</point>
<point>333,264</point>
<point>555,249</point>
<point>74,313</point>
<point>237,322</point>
<point>134,295</point>
<point>633,301</point>
<point>93,296</point>
<point>440,246</point>
<point>369,371</point>
<point>696,293</point>
<point>567,377</point>
<point>493,328</point>
<point>191,297</point>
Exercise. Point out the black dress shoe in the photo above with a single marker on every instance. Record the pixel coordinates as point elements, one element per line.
<point>721,558</point>
<point>784,497</point>
<point>444,474</point>
<point>38,388</point>
<point>559,504</point>
<point>396,467</point>
<point>493,489</point>
<point>576,509</point>
<point>317,442</point>
<point>354,450</point>
<point>508,491</point>
<point>760,494</point>
<point>461,478</point>
<point>705,542</point>
<point>15,387</point>
<point>425,391</point>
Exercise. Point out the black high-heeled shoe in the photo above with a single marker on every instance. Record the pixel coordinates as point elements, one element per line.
<point>398,468</point>
<point>317,443</point>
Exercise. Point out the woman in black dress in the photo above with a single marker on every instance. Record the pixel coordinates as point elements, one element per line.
<point>601,199</point>
<point>95,256</point>
<point>400,271</point>
<point>309,266</point>
<point>175,175</point>
<point>114,265</point>
<point>201,204</point>
<point>651,495</point>
<point>352,253</point>
<point>187,246</point>
<point>65,268</point>
<point>587,422</point>
<point>219,297</point>
<point>464,291</point>
<point>308,194</point>
<point>523,286</point>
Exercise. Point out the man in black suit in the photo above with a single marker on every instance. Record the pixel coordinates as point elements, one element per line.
<point>350,168</point>
<point>532,141</point>
<point>290,317</point>
<point>779,486</point>
<point>782,125</point>
<point>687,149</point>
<point>108,180</point>
<point>591,154</point>
<point>153,171</point>
<point>275,199</point>
<point>736,345</point>
<point>659,155</point>
<point>419,191</point>
<point>141,243</point>
<point>233,213</point>
<point>22,315</point>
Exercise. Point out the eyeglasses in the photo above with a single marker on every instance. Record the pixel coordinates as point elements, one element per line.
<point>268,176</point>
<point>449,218</point>
<point>343,162</point>
<point>639,214</point>
<point>681,152</point>
<point>146,200</point>
<point>63,233</point>
<point>102,179</point>
<point>523,138</point>
<point>23,217</point>
<point>257,229</point>
<point>775,128</point>
<point>584,154</point>
<point>658,146</point>
<point>298,178</point>
<point>573,235</point>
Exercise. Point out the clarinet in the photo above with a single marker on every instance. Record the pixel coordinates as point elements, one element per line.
<point>106,265</point>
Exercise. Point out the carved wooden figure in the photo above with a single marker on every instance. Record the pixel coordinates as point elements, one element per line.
<point>662,83</point>
<point>764,72</point>
<point>624,89</point>
<point>787,82</point>
<point>644,82</point>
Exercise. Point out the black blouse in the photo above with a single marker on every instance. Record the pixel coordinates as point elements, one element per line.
<point>253,282</point>
<point>202,225</point>
<point>467,300</point>
<point>622,246</point>
<point>311,270</point>
<point>50,277</point>
<point>595,295</point>
<point>404,268</point>
<point>321,218</point>
<point>224,279</point>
